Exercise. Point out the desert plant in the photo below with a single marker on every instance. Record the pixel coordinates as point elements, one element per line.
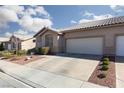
<point>106,59</point>
<point>31,50</point>
<point>104,67</point>
<point>105,63</point>
<point>21,52</point>
<point>39,51</point>
<point>12,51</point>
<point>45,50</point>
<point>42,50</point>
<point>7,54</point>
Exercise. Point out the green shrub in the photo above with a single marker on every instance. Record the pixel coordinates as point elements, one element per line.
<point>6,54</point>
<point>12,51</point>
<point>104,67</point>
<point>31,50</point>
<point>45,50</point>
<point>105,62</point>
<point>21,52</point>
<point>39,51</point>
<point>106,59</point>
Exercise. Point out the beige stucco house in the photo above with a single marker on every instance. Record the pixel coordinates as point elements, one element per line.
<point>12,43</point>
<point>28,44</point>
<point>101,37</point>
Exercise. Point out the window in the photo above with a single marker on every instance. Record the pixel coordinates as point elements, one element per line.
<point>13,45</point>
<point>49,40</point>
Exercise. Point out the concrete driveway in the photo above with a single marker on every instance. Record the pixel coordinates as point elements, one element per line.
<point>77,67</point>
<point>120,72</point>
<point>54,72</point>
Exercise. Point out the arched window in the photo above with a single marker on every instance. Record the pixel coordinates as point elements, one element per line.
<point>49,40</point>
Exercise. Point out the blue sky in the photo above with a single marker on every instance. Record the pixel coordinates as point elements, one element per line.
<point>25,21</point>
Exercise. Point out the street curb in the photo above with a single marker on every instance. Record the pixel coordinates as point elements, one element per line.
<point>23,80</point>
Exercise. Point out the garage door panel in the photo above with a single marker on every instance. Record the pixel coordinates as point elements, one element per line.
<point>120,46</point>
<point>85,45</point>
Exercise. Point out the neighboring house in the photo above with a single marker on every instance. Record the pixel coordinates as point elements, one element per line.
<point>101,37</point>
<point>28,44</point>
<point>13,43</point>
<point>4,41</point>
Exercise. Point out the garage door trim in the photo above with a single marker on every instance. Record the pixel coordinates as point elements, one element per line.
<point>116,36</point>
<point>100,36</point>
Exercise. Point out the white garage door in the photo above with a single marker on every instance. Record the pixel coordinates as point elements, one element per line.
<point>85,46</point>
<point>120,46</point>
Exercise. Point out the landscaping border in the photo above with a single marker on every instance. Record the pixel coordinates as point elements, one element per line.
<point>109,80</point>
<point>21,60</point>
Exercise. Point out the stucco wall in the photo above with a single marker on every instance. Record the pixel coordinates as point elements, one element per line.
<point>28,44</point>
<point>40,41</point>
<point>109,35</point>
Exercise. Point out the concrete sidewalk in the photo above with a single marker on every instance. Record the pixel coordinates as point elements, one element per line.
<point>119,75</point>
<point>39,78</point>
<point>8,82</point>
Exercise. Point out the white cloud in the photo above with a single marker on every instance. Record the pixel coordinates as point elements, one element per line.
<point>7,16</point>
<point>40,10</point>
<point>73,22</point>
<point>8,34</point>
<point>31,19</point>
<point>34,24</point>
<point>99,17</point>
<point>94,17</point>
<point>84,20</point>
<point>26,21</point>
<point>17,9</point>
<point>30,11</point>
<point>20,34</point>
<point>117,8</point>
<point>88,14</point>
<point>23,16</point>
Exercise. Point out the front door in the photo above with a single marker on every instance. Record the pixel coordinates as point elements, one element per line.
<point>49,40</point>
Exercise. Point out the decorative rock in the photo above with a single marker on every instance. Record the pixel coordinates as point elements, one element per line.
<point>27,58</point>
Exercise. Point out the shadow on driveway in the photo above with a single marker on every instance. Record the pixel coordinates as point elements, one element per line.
<point>81,56</point>
<point>119,59</point>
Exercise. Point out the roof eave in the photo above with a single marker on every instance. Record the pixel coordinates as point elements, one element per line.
<point>39,32</point>
<point>90,28</point>
<point>43,30</point>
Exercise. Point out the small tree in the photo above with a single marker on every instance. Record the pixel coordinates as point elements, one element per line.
<point>1,47</point>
